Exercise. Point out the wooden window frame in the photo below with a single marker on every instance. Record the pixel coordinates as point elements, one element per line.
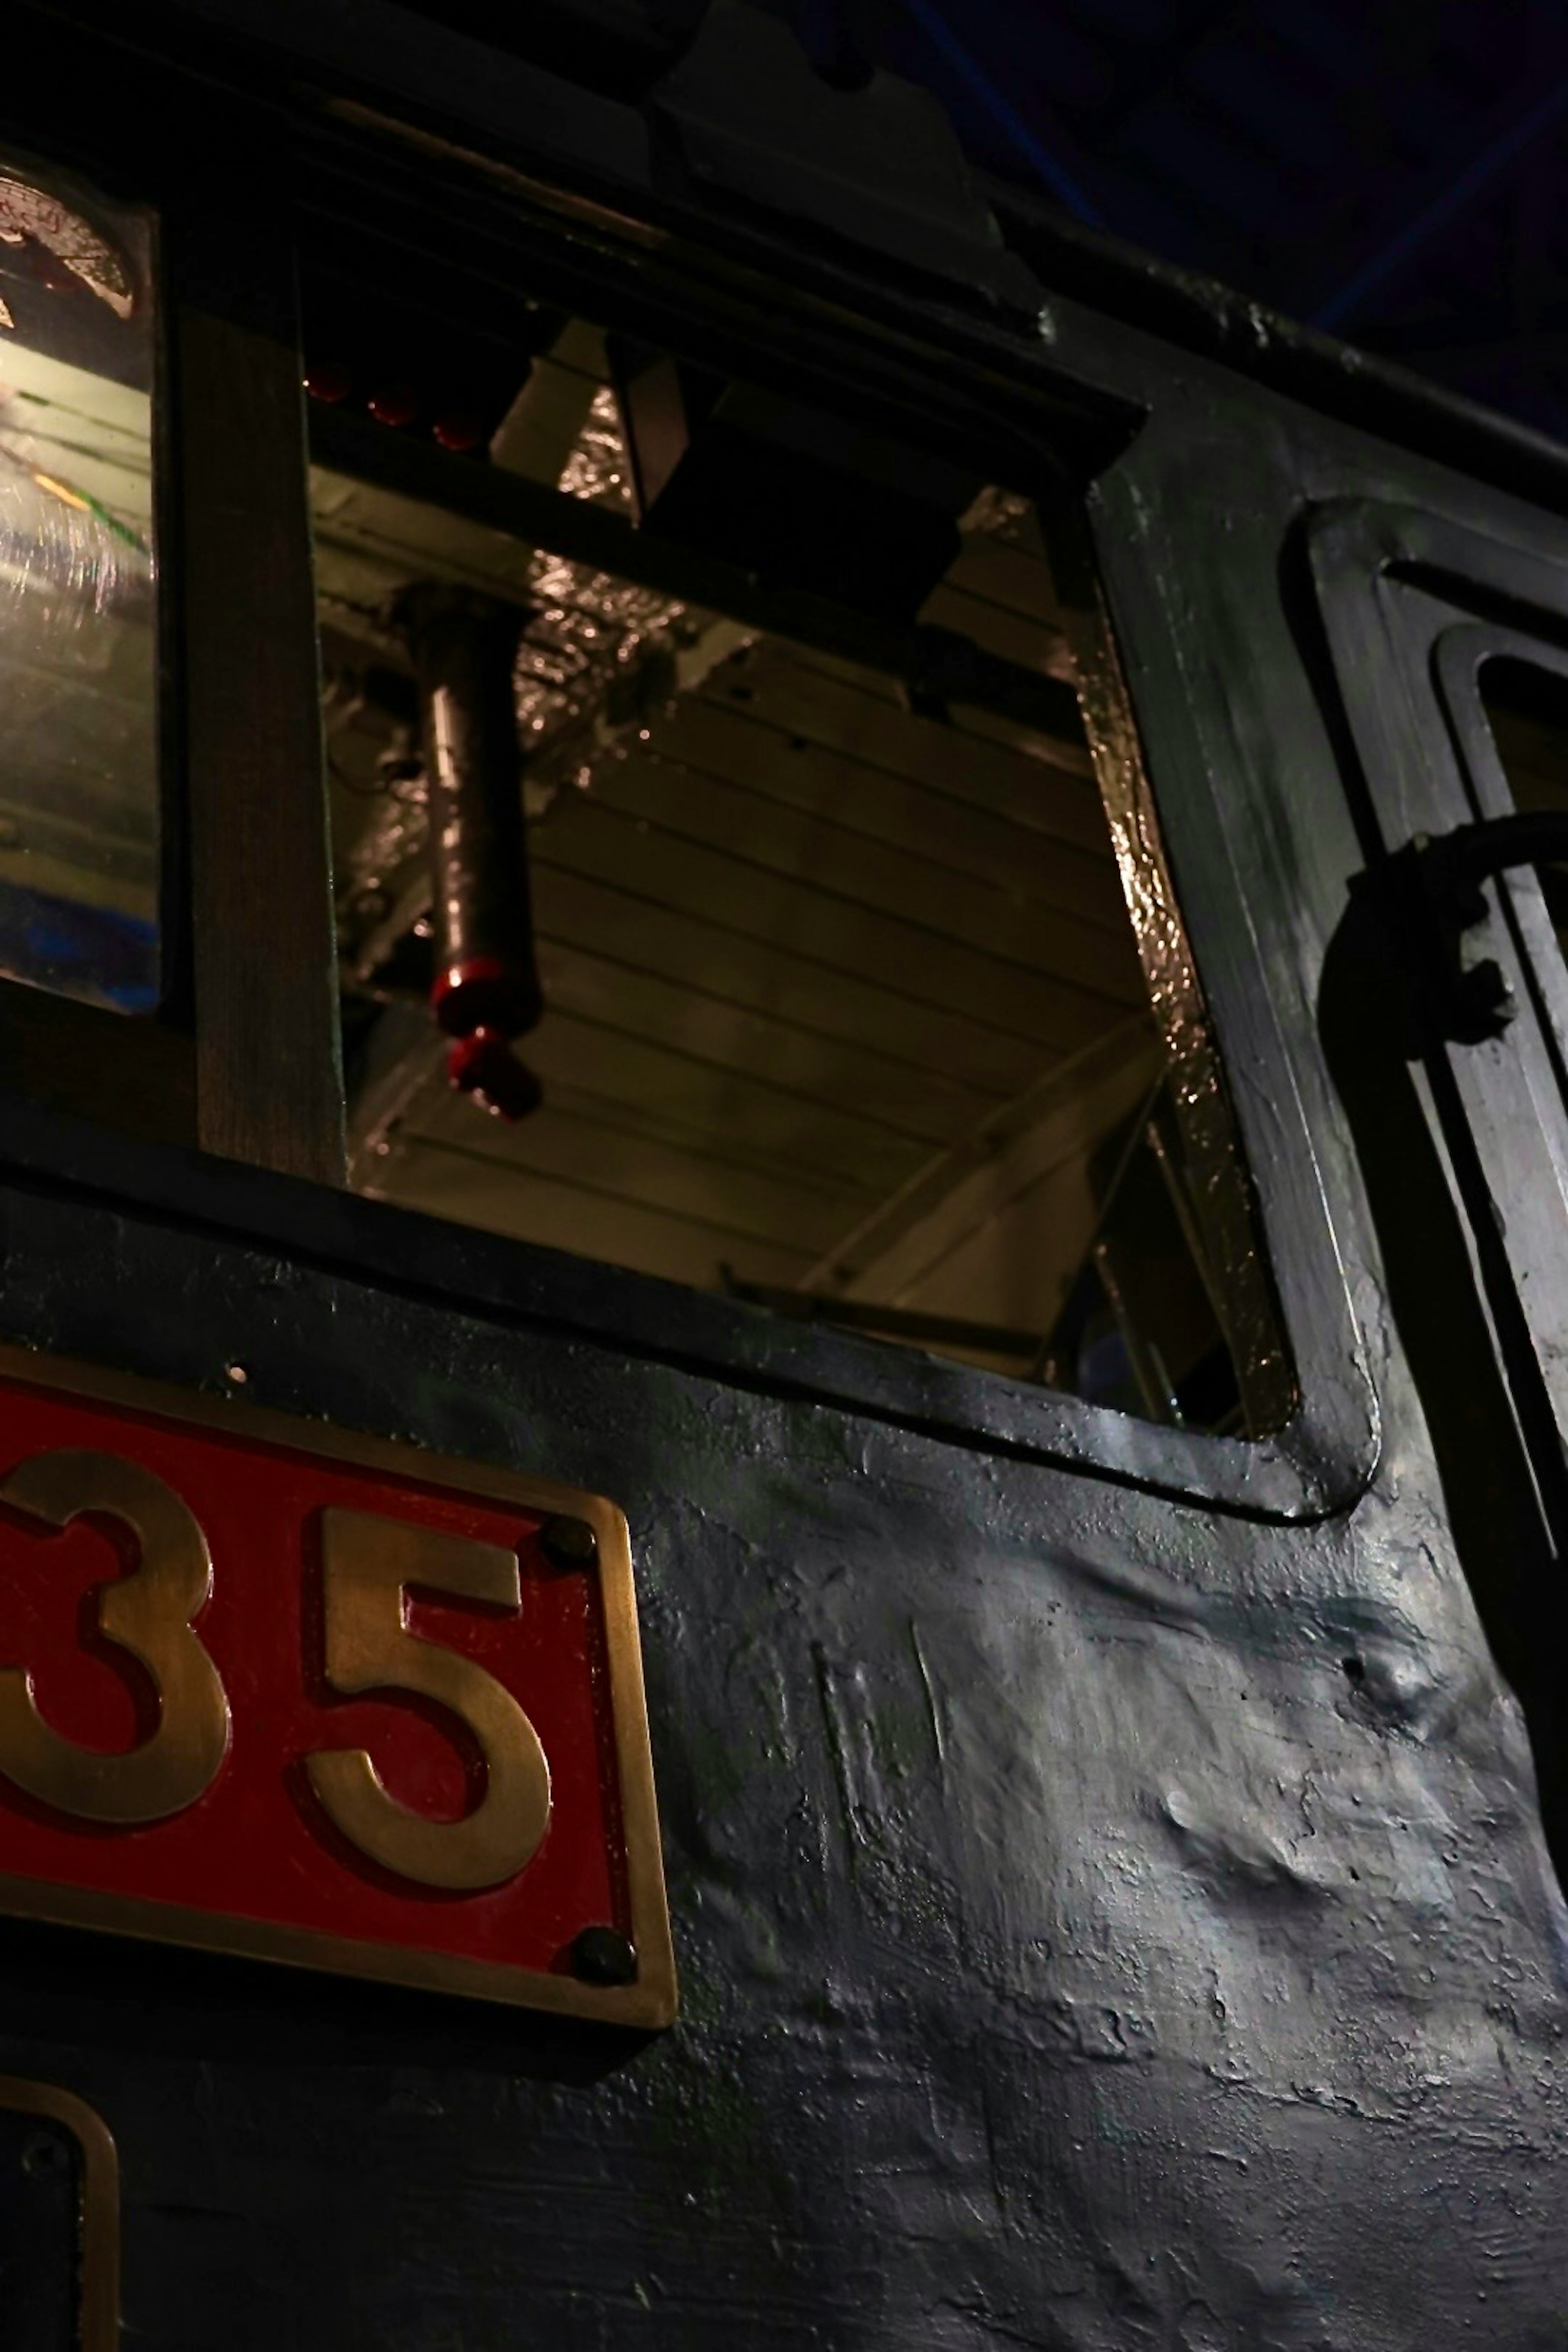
<point>241,1057</point>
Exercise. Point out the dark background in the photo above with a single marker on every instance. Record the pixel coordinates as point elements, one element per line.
<point>1391,170</point>
<point>1395,171</point>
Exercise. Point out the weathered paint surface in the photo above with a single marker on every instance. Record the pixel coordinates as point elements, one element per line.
<point>1101,1925</point>
<point>1107,1872</point>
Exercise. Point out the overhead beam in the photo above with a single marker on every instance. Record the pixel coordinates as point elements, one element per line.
<point>938,665</point>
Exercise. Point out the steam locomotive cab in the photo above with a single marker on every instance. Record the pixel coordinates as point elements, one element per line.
<point>784,1237</point>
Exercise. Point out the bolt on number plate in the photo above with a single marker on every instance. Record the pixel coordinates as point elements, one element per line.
<point>269,1688</point>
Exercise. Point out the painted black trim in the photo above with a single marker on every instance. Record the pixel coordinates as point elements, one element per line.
<point>1211,321</point>
<point>603,143</point>
<point>1304,1474</point>
<point>1460,658</point>
<point>1402,589</point>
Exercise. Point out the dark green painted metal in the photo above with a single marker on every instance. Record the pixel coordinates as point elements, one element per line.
<point>1112,1879</point>
<point>41,2186</point>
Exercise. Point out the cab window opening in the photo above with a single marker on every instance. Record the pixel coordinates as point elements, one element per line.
<point>816,983</point>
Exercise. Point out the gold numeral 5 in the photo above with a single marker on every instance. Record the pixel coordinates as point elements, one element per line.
<point>367,1564</point>
<point>149,1614</point>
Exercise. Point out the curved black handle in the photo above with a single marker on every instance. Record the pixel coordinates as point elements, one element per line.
<point>1440,877</point>
<point>1476,853</point>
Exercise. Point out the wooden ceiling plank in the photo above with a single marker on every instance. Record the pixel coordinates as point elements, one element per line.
<point>727,740</point>
<point>791,1128</point>
<point>641,1123</point>
<point>590,838</point>
<point>1015,636</point>
<point>476,1192</point>
<point>690,948</point>
<point>1003,768</point>
<point>1006,575</point>
<point>984,734</point>
<point>690,805</point>
<point>746,1203</point>
<point>578,979</point>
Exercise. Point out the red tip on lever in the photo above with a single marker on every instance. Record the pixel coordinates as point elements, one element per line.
<point>484,1066</point>
<point>480,1006</point>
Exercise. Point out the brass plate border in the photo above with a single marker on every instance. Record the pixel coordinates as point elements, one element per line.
<point>651,2003</point>
<point>99,2310</point>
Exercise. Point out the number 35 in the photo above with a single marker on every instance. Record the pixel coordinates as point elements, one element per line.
<point>368,1563</point>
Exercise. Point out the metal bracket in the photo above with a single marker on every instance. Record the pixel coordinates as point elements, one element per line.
<point>1440,878</point>
<point>878,168</point>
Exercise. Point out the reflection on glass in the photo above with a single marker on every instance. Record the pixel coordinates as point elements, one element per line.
<point>79,800</point>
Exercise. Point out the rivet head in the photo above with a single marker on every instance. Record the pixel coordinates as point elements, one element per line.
<point>394,405</point>
<point>602,1955</point>
<point>331,383</point>
<point>569,1543</point>
<point>44,2155</point>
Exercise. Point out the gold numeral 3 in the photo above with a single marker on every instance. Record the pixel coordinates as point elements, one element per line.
<point>149,1614</point>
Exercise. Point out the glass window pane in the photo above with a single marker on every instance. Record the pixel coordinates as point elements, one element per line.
<point>78,789</point>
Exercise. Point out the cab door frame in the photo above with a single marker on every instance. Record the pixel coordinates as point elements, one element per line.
<point>1413,602</point>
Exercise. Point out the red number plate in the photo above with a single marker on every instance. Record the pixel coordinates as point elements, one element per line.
<point>273,1689</point>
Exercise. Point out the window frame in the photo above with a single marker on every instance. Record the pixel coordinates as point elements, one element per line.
<point>135,1071</point>
<point>1414,598</point>
<point>1460,658</point>
<point>967,383</point>
<point>240,1056</point>
<point>1007,423</point>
